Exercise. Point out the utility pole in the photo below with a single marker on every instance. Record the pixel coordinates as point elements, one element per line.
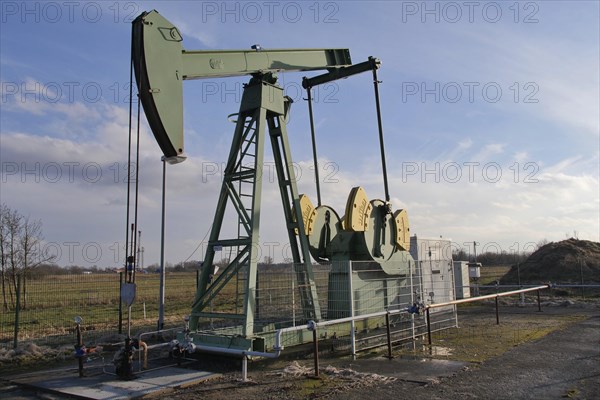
<point>161,302</point>
<point>139,249</point>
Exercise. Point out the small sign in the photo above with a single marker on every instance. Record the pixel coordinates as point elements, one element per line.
<point>128,293</point>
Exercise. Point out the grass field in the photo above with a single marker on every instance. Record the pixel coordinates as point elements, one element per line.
<point>479,338</point>
<point>489,274</point>
<point>51,303</point>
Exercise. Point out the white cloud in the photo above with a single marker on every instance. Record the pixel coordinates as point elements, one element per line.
<point>521,156</point>
<point>200,32</point>
<point>465,143</point>
<point>504,212</point>
<point>564,197</point>
<point>488,151</point>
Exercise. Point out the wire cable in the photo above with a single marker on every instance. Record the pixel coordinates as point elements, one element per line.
<point>199,244</point>
<point>137,184</point>
<point>129,154</point>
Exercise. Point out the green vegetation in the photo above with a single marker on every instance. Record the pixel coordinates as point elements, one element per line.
<point>493,273</point>
<point>51,303</point>
<point>479,338</point>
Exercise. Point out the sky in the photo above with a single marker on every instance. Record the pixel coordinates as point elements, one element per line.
<point>490,116</point>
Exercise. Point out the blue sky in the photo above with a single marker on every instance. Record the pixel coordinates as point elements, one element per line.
<point>490,114</point>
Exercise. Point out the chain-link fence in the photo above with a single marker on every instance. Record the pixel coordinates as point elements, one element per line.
<point>48,303</point>
<point>41,308</point>
<point>285,298</point>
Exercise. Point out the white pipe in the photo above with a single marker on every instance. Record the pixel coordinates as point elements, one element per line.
<point>158,331</point>
<point>161,293</point>
<point>352,325</point>
<point>489,296</point>
<point>236,352</point>
<point>244,369</point>
<point>278,334</point>
<point>191,347</point>
<point>154,346</point>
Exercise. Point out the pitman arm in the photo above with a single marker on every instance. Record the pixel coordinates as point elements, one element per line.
<point>161,65</point>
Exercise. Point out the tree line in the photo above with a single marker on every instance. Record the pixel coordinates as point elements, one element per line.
<point>489,258</point>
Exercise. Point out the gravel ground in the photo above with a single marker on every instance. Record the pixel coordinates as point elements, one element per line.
<point>564,363</point>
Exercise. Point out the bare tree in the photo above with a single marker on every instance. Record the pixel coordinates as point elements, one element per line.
<point>541,243</point>
<point>10,228</point>
<point>31,251</point>
<point>268,260</point>
<point>3,252</point>
<point>21,251</point>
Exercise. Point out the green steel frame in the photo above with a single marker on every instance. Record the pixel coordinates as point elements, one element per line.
<point>263,105</point>
<point>161,65</point>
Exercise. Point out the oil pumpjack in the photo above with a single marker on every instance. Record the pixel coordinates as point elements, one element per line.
<point>369,231</point>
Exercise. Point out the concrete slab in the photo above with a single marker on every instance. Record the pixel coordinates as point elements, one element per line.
<point>103,386</point>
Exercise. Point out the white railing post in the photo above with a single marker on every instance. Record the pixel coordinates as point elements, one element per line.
<point>352,324</point>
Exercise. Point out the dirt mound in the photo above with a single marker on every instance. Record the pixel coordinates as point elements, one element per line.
<point>567,261</point>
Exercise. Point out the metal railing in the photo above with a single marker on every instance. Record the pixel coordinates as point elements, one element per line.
<point>479,298</point>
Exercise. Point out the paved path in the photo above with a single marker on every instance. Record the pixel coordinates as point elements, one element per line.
<point>563,364</point>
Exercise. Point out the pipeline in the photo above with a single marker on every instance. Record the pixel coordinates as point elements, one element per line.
<point>478,298</point>
<point>190,347</point>
<point>489,296</point>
